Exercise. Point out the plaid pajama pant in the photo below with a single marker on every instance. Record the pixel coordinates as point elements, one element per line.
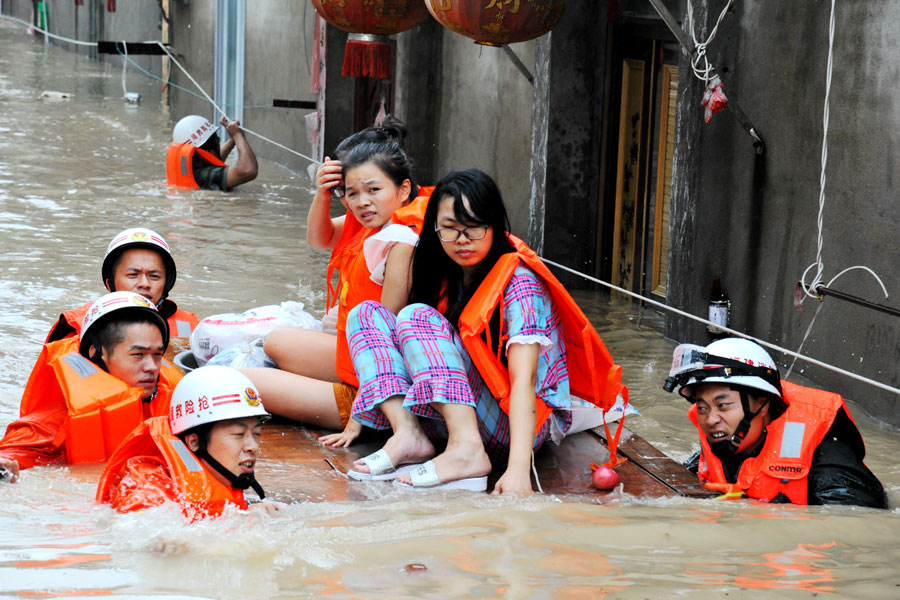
<point>419,355</point>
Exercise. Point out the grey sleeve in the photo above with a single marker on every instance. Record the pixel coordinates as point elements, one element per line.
<point>210,177</point>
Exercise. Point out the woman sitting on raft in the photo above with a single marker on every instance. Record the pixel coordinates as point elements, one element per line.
<point>417,376</point>
<point>372,247</point>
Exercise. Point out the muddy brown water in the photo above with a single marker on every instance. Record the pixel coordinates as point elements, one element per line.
<point>75,172</point>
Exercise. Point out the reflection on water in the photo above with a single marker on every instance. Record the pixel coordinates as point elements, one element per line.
<point>73,173</point>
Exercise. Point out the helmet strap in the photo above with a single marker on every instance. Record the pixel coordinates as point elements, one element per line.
<point>152,396</point>
<point>744,426</point>
<point>97,357</point>
<point>240,482</point>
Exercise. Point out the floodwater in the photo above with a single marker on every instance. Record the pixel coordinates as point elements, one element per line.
<point>75,172</point>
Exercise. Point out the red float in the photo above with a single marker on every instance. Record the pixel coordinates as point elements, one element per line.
<point>368,52</point>
<point>498,22</point>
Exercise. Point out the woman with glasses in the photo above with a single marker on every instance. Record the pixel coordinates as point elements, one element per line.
<point>421,377</point>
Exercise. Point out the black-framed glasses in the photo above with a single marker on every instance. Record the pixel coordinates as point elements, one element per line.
<point>451,234</point>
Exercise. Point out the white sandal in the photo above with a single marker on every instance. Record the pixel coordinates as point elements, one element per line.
<point>380,468</point>
<point>424,477</point>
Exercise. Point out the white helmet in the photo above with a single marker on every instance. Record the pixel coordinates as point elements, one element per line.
<point>735,361</point>
<point>210,394</point>
<point>194,129</point>
<point>101,310</point>
<point>137,237</point>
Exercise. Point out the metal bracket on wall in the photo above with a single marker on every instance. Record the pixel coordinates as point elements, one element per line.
<point>688,45</point>
<point>130,48</point>
<point>519,64</point>
<point>309,104</point>
<point>823,291</point>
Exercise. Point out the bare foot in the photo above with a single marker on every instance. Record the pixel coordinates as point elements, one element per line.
<point>407,445</point>
<point>460,460</point>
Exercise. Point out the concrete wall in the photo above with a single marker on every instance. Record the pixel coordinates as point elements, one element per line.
<point>751,220</point>
<point>567,176</point>
<point>468,106</point>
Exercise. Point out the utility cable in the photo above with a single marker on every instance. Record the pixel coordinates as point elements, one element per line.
<point>47,33</point>
<point>184,89</point>
<point>166,50</point>
<point>810,289</point>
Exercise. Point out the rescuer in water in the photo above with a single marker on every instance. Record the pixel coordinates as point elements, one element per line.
<point>769,439</point>
<point>196,159</point>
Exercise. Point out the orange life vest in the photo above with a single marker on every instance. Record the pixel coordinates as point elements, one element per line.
<point>593,376</point>
<point>783,464</point>
<point>354,282</point>
<point>161,467</point>
<point>180,164</point>
<point>74,410</point>
<point>181,322</point>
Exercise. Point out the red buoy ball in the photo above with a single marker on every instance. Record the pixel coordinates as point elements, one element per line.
<point>604,478</point>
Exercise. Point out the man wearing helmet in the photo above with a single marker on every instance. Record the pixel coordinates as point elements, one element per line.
<point>85,394</point>
<point>202,455</point>
<point>769,439</point>
<point>137,260</point>
<point>196,160</point>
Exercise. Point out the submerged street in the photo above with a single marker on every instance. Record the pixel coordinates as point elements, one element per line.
<point>75,171</point>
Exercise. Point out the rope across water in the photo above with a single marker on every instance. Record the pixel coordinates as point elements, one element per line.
<point>807,289</point>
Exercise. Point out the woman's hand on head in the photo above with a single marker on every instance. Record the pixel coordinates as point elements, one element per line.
<point>328,175</point>
<point>344,438</point>
<point>514,482</point>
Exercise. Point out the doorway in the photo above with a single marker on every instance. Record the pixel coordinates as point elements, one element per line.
<point>633,249</point>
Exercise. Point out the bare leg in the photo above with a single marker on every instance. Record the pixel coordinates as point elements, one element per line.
<point>296,397</point>
<point>465,455</point>
<point>304,352</point>
<point>408,444</point>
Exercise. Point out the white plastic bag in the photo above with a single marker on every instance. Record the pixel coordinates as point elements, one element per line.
<point>217,332</point>
<point>243,355</point>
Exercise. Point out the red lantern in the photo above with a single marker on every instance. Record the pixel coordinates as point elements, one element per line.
<point>498,22</point>
<point>368,52</point>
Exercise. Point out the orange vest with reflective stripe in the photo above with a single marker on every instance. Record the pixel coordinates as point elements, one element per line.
<point>185,480</point>
<point>70,403</point>
<point>181,322</point>
<point>180,164</point>
<point>593,376</point>
<point>354,282</point>
<point>783,464</point>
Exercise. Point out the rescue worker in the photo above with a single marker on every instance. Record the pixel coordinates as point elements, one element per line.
<point>769,439</point>
<point>195,158</point>
<point>86,394</point>
<point>202,455</point>
<point>137,260</point>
